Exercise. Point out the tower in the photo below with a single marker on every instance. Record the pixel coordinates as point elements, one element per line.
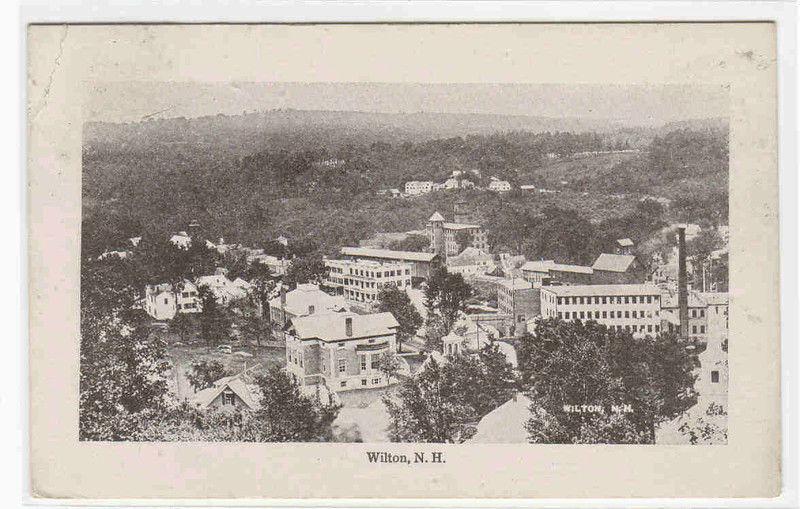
<point>683,292</point>
<point>436,228</point>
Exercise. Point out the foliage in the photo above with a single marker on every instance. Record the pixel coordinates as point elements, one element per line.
<point>389,365</point>
<point>397,302</point>
<point>648,379</point>
<point>286,415</point>
<point>446,295</point>
<point>413,242</point>
<point>203,373</point>
<point>441,402</point>
<point>308,269</point>
<point>215,324</point>
<point>710,428</point>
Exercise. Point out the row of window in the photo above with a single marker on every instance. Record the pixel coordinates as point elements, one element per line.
<point>632,299</point>
<point>188,305</point>
<point>375,381</point>
<point>379,274</point>
<point>605,314</point>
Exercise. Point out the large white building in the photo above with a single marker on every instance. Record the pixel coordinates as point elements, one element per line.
<point>306,299</point>
<point>500,186</point>
<point>632,308</point>
<point>341,351</point>
<point>363,280</point>
<point>416,187</point>
<point>444,236</point>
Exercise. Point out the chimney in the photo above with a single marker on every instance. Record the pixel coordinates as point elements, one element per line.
<point>283,296</point>
<point>194,229</point>
<point>310,310</point>
<point>348,326</point>
<point>683,292</point>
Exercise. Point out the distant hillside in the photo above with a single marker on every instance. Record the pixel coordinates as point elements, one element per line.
<point>237,135</point>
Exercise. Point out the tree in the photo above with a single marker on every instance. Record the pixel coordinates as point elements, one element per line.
<point>463,239</point>
<point>306,269</point>
<point>215,324</point>
<point>397,302</point>
<point>413,242</point>
<point>202,374</point>
<point>441,403</point>
<point>446,295</point>
<point>183,324</point>
<point>285,415</point>
<point>428,409</point>
<point>578,374</point>
<point>122,367</point>
<point>389,365</point>
<point>710,428</point>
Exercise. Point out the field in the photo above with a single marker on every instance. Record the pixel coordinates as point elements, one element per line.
<point>181,358</point>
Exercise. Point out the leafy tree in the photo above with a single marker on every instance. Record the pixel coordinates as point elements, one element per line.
<point>203,373</point>
<point>446,295</point>
<point>707,429</point>
<point>183,324</point>
<point>441,403</point>
<point>286,415</point>
<point>215,324</point>
<point>307,269</point>
<point>577,364</point>
<point>413,242</point>
<point>429,409</point>
<point>397,302</point>
<point>122,367</point>
<point>463,239</point>
<point>389,365</point>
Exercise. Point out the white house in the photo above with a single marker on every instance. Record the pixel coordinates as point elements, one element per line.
<point>471,262</point>
<point>500,186</point>
<point>415,187</point>
<point>163,302</point>
<point>181,240</point>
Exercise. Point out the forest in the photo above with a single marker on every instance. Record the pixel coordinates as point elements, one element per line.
<point>153,178</point>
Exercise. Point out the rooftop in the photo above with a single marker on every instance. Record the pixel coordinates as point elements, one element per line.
<point>600,290</point>
<point>331,326</point>
<point>626,242</point>
<point>613,262</point>
<point>388,254</point>
<point>515,284</point>
<point>436,217</point>
<point>460,226</point>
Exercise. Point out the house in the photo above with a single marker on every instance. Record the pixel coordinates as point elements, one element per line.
<point>341,351</point>
<point>277,266</point>
<point>416,188</point>
<point>500,186</point>
<point>181,240</point>
<point>624,246</point>
<point>617,269</point>
<point>548,271</point>
<point>471,262</point>
<point>446,238</point>
<point>708,315</point>
<point>223,289</point>
<point>163,302</point>
<point>632,308</point>
<point>538,271</point>
<point>505,424</point>
<point>421,263</point>
<point>305,300</point>
<point>230,393</point>
<point>135,241</point>
<point>451,183</point>
<point>363,280</point>
<point>282,241</point>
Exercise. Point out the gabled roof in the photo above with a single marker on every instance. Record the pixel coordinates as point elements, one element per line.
<point>580,269</point>
<point>613,262</point>
<point>601,290</point>
<point>538,265</point>
<point>469,256</point>
<point>626,242</point>
<point>305,295</point>
<point>436,217</point>
<point>461,226</point>
<point>331,326</point>
<point>235,383</point>
<point>506,423</point>
<point>388,254</point>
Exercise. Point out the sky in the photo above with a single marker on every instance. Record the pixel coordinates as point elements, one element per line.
<point>634,104</point>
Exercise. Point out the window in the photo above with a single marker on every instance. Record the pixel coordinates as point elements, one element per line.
<point>343,383</point>
<point>649,328</point>
<point>597,300</point>
<point>376,381</point>
<point>715,377</point>
<point>375,362</point>
<point>228,398</point>
<point>165,300</point>
<point>694,329</point>
<point>363,362</point>
<point>627,314</point>
<point>363,381</point>
<point>694,313</point>
<point>702,329</point>
<point>560,315</point>
<point>342,365</point>
<point>340,344</point>
<point>582,315</point>
<point>604,314</point>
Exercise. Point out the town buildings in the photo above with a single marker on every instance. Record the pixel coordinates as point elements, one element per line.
<point>547,271</point>
<point>634,308</point>
<point>520,300</point>
<point>617,269</point>
<point>416,188</point>
<point>230,393</point>
<point>421,263</point>
<point>341,351</point>
<point>624,246</point>
<point>361,281</point>
<point>447,238</point>
<point>707,315</point>
<point>607,269</point>
<point>471,262</point>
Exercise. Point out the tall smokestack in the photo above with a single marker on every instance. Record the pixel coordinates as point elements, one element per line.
<point>348,326</point>
<point>683,292</point>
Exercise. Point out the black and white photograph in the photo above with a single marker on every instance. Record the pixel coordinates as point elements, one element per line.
<point>404,262</point>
